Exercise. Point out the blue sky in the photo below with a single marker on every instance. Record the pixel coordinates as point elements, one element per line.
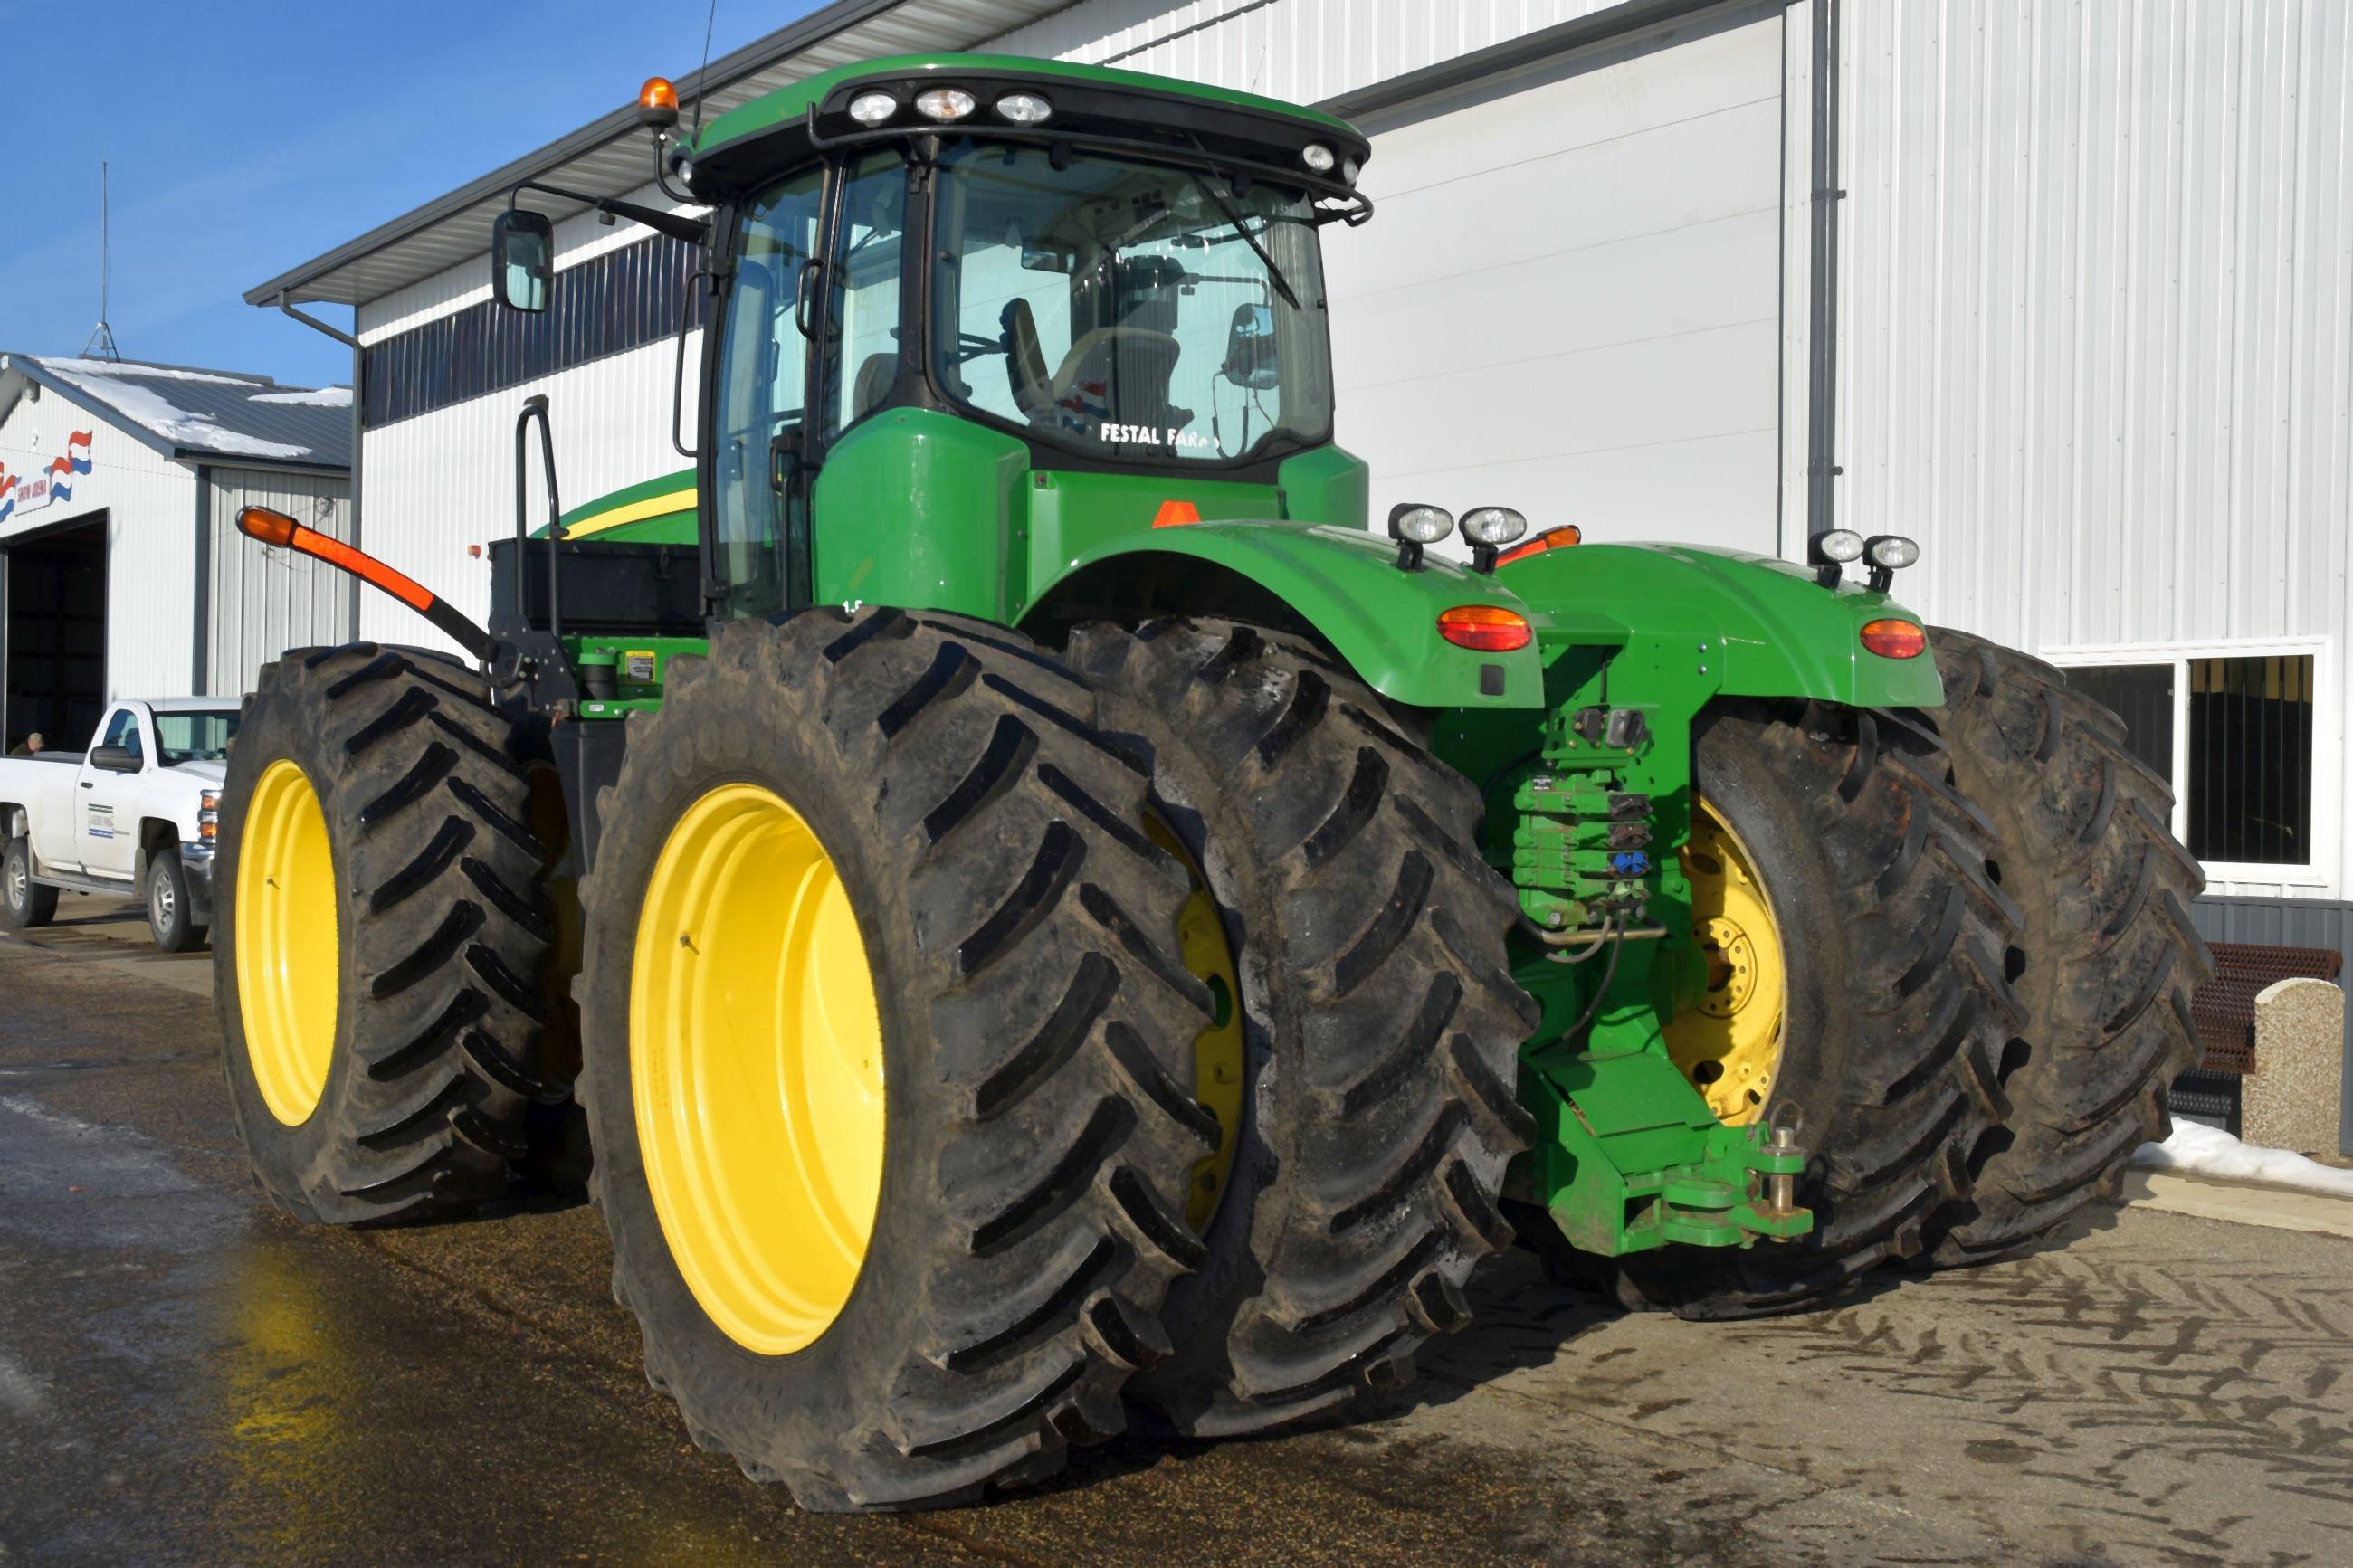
<point>245,138</point>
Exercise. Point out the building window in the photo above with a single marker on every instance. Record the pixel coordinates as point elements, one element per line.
<point>2233,734</point>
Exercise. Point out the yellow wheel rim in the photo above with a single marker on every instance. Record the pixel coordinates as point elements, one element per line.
<point>1217,1050</point>
<point>755,1060</point>
<point>1729,1044</point>
<point>289,970</point>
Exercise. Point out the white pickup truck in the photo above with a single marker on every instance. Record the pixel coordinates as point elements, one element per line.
<point>133,816</point>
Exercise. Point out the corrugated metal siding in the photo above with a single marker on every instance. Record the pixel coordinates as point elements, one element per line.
<point>266,601</point>
<point>2279,923</point>
<point>1570,301</point>
<point>577,238</point>
<point>601,305</point>
<point>1303,51</point>
<point>2096,322</point>
<point>444,480</point>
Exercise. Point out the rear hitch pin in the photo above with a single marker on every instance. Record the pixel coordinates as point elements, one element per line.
<point>1781,1187</point>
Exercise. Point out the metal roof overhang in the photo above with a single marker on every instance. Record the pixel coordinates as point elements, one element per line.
<point>613,155</point>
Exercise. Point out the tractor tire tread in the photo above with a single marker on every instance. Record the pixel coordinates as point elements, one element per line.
<point>448,926</point>
<point>1034,1196</point>
<point>1335,846</point>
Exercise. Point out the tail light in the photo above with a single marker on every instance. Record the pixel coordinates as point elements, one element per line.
<point>1485,628</point>
<point>1894,639</point>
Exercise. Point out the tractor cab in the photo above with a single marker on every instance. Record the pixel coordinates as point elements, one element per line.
<point>972,317</point>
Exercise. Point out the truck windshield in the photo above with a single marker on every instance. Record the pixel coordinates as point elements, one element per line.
<point>194,735</point>
<point>1128,311</point>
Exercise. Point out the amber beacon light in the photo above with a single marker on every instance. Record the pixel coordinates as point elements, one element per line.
<point>657,103</point>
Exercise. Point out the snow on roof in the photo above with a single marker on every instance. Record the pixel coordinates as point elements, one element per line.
<point>318,397</point>
<point>204,412</point>
<point>147,371</point>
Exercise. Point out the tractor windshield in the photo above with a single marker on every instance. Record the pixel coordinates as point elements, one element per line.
<point>1130,311</point>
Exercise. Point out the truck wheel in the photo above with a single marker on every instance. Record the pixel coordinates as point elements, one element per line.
<point>888,1056</point>
<point>379,959</point>
<point>167,905</point>
<point>23,904</point>
<point>1380,1027</point>
<point>2080,844</point>
<point>1859,956</point>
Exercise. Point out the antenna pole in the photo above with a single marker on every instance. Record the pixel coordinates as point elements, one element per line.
<point>702,87</point>
<point>102,337</point>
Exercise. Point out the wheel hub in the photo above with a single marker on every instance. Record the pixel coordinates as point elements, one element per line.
<point>756,1068</point>
<point>1729,1044</point>
<point>289,970</point>
<point>1217,1050</point>
<point>288,960</point>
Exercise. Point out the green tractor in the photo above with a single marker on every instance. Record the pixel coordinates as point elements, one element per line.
<point>1039,910</point>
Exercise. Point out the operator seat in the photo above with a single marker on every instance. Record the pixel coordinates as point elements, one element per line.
<point>875,377</point>
<point>1025,362</point>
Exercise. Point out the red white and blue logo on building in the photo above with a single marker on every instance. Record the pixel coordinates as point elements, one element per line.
<point>53,482</point>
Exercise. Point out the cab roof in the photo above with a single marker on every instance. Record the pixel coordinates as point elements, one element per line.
<point>793,102</point>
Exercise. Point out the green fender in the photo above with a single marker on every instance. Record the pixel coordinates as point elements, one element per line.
<point>1718,622</point>
<point>1343,582</point>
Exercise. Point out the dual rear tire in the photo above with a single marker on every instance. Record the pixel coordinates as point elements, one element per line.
<point>1994,991</point>
<point>942,1278</point>
<point>384,941</point>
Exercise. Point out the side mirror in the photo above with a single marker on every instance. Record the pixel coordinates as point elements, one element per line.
<point>115,759</point>
<point>1251,361</point>
<point>522,259</point>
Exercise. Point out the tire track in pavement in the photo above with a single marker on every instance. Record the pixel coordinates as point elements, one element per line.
<point>2156,1388</point>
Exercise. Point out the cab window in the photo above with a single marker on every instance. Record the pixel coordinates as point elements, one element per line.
<point>123,731</point>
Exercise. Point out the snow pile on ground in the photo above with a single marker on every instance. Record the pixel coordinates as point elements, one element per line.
<point>156,412</point>
<point>2211,1151</point>
<point>78,368</point>
<point>323,397</point>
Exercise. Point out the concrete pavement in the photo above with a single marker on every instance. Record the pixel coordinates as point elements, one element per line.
<point>185,1374</point>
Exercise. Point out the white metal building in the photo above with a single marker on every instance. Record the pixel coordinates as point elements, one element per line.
<point>2062,288</point>
<point>121,573</point>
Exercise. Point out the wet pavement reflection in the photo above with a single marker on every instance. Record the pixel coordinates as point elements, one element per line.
<point>188,1375</point>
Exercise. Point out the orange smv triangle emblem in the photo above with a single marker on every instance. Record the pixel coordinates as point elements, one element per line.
<point>1176,514</point>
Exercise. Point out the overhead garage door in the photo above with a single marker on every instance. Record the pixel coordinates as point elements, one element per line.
<point>1569,300</point>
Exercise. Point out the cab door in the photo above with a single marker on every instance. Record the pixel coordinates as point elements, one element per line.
<point>759,394</point>
<point>812,344</point>
<point>110,800</point>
